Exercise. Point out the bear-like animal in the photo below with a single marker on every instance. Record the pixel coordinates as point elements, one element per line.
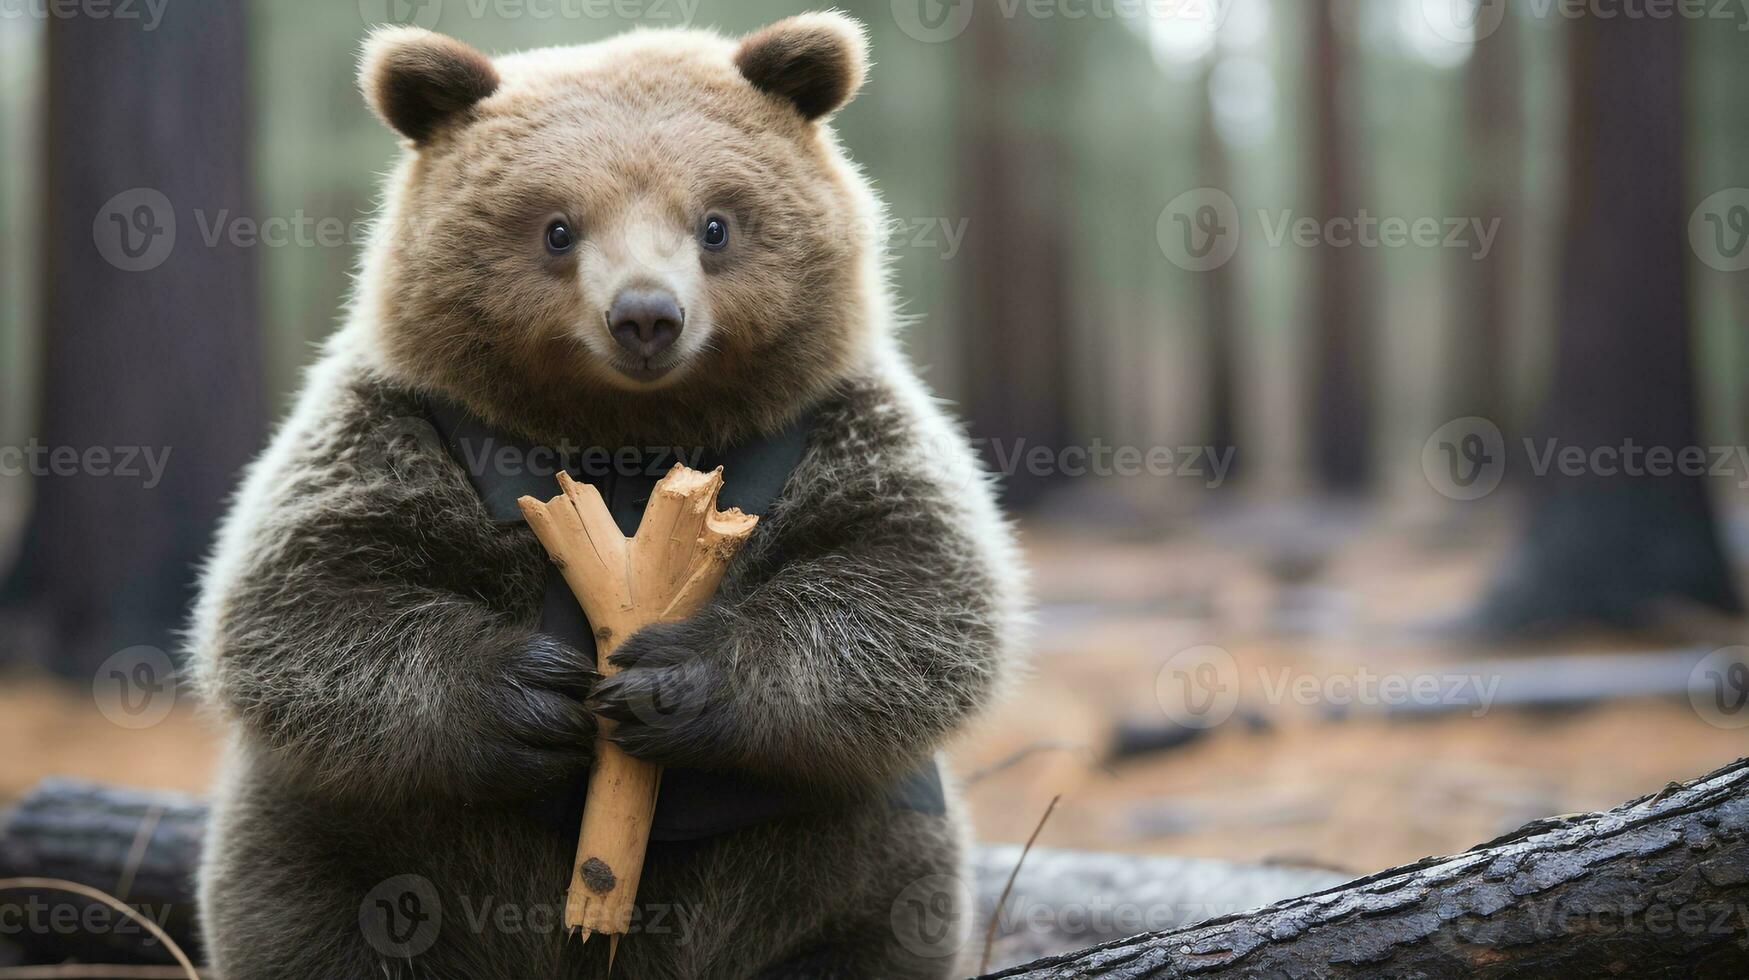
<point>653,241</point>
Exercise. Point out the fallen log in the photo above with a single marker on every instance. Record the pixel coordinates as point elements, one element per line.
<point>140,846</point>
<point>1658,887</point>
<point>1066,900</point>
<point>93,834</point>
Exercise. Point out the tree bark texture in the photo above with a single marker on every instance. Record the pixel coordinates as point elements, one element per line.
<point>1658,887</point>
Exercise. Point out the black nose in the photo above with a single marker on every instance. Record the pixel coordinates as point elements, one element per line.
<point>645,321</point>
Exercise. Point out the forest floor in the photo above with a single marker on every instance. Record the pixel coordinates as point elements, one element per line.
<point>1304,629</point>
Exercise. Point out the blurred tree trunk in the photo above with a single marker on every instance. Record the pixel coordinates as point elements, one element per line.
<point>1342,383</point>
<point>1740,305</point>
<point>1014,305</point>
<point>1476,344</point>
<point>1220,324</point>
<point>1608,546</point>
<point>150,328</point>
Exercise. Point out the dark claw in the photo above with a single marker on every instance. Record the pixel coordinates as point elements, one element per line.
<point>614,696</point>
<point>629,655</point>
<point>697,741</point>
<point>663,645</point>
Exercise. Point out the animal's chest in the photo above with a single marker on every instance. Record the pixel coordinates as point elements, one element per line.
<point>693,804</point>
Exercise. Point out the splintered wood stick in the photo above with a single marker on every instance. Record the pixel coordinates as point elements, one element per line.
<point>665,572</point>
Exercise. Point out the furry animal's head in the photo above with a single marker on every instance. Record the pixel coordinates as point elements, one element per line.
<point>654,237</point>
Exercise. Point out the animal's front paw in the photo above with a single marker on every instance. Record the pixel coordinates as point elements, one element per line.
<point>669,702</point>
<point>534,731</point>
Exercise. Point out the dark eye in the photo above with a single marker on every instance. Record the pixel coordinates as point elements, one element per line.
<point>559,238</point>
<point>716,233</point>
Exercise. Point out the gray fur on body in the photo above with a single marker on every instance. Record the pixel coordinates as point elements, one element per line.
<point>370,637</point>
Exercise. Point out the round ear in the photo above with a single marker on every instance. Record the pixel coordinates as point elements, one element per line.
<point>815,61</point>
<point>415,79</point>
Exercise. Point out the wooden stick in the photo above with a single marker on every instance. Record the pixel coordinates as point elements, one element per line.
<point>665,572</point>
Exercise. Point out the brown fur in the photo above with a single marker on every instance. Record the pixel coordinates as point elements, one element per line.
<point>807,60</point>
<point>371,637</point>
<point>473,307</point>
<point>415,82</point>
